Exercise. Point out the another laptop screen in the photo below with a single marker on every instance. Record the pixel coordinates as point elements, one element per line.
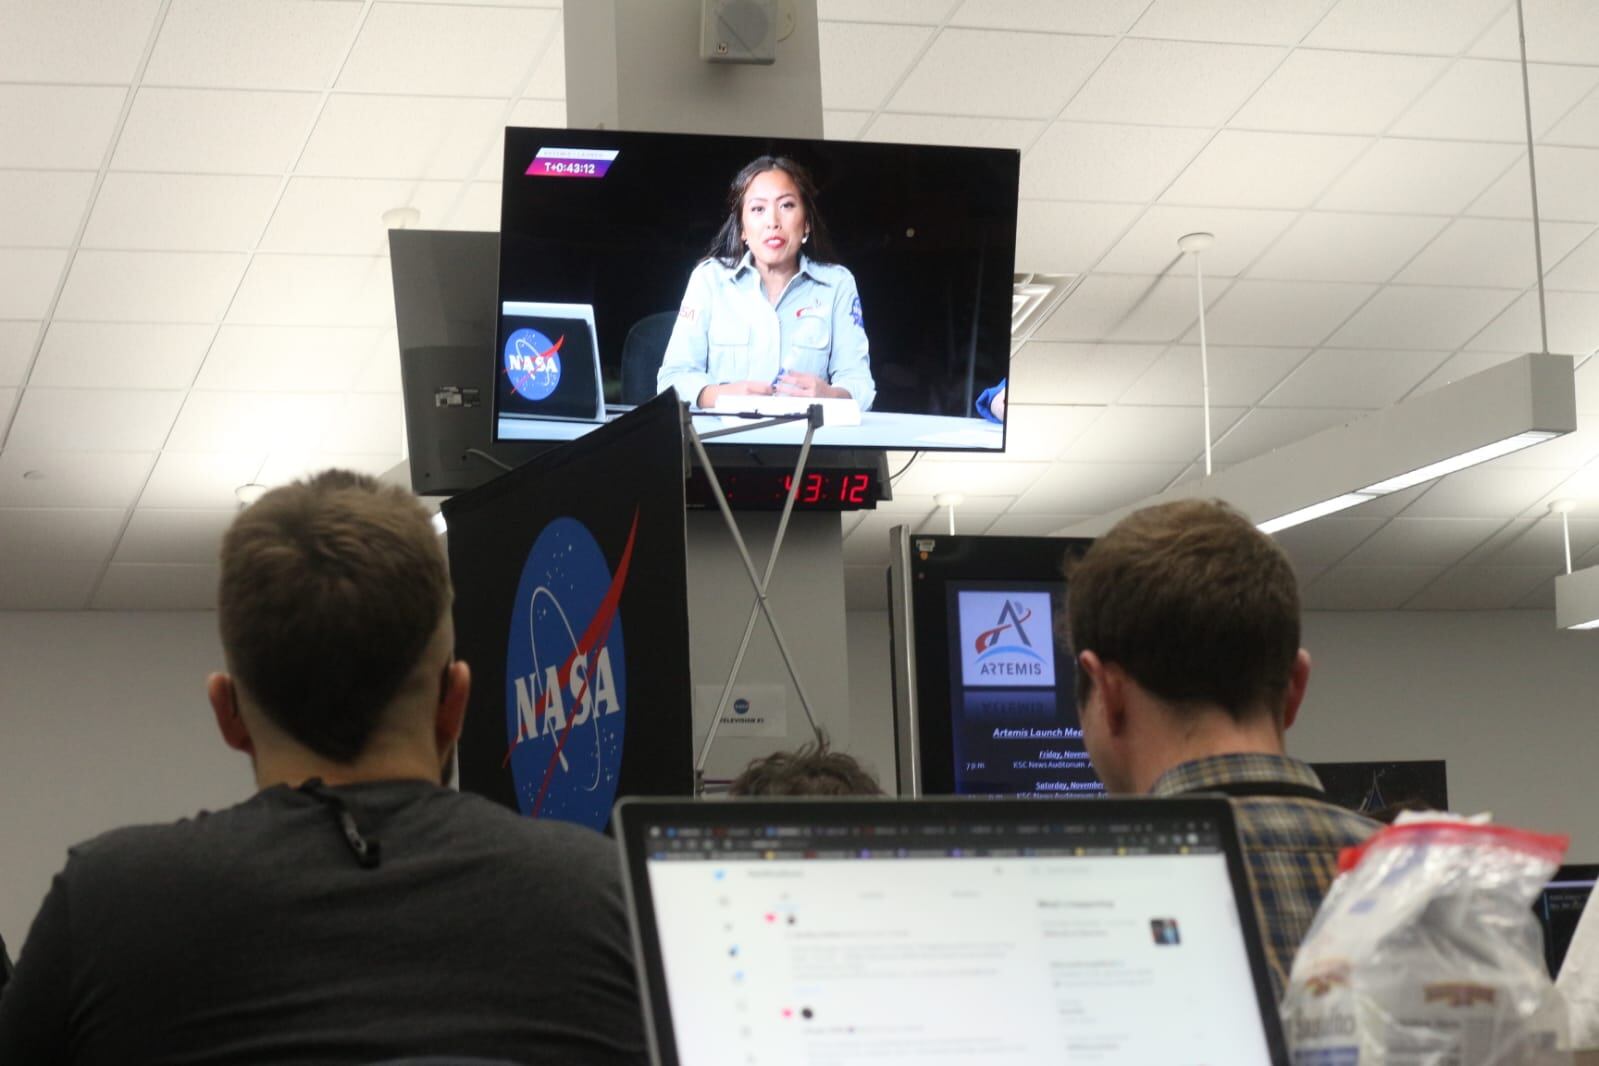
<point>1560,906</point>
<point>994,933</point>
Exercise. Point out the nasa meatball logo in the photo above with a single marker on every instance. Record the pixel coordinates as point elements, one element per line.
<point>533,363</point>
<point>566,677</point>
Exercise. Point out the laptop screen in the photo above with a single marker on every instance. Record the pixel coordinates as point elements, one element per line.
<point>1560,906</point>
<point>999,933</point>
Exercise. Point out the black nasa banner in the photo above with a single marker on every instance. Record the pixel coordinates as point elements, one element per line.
<point>571,607</point>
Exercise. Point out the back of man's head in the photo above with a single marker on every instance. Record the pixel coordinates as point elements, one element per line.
<point>813,770</point>
<point>1193,602</point>
<point>331,590</point>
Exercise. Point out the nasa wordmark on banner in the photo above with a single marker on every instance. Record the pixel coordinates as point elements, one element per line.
<point>1007,639</point>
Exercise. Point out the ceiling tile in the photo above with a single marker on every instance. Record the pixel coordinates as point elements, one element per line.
<point>370,423</point>
<point>1007,478</point>
<point>1354,378</point>
<point>1573,325</point>
<point>42,208</point>
<point>1558,31</point>
<point>1150,247</point>
<point>1172,83</point>
<point>90,419</point>
<point>72,479</point>
<point>316,291</point>
<point>252,44</point>
<point>1094,488</point>
<point>1579,270</point>
<point>1085,161</point>
<point>1053,373</point>
<point>1266,428</point>
<point>382,370</point>
<point>344,216</point>
<point>28,278</point>
<point>1366,588</point>
<point>1281,22</point>
<point>75,40</point>
<point>1427,27</point>
<point>151,587</point>
<point>1493,253</point>
<point>1238,376</point>
<point>1463,364</point>
<point>1149,435</point>
<point>1067,238</point>
<point>952,129</point>
<point>1410,541</point>
<point>1480,588</point>
<point>1581,126</point>
<point>1481,100</point>
<point>180,212</point>
<point>243,422</point>
<point>1419,177</point>
<point>927,12</point>
<point>199,480</point>
<point>8,404</point>
<point>548,80</point>
<point>78,534</point>
<point>66,127</point>
<point>1537,542</point>
<point>1052,16</point>
<point>1489,491</point>
<point>16,350</point>
<point>288,358</point>
<point>46,586</point>
<point>1588,388</point>
<point>1131,308</point>
<point>146,356</point>
<point>445,51</point>
<point>1421,316</point>
<point>403,137</point>
<point>149,286</point>
<point>1567,178</point>
<point>844,125</point>
<point>1333,246</point>
<point>861,64</point>
<point>1326,541</point>
<point>1280,313</point>
<point>1240,168</point>
<point>990,72</point>
<point>162,536</point>
<point>283,467</point>
<point>214,132</point>
<point>1028,524</point>
<point>1337,92</point>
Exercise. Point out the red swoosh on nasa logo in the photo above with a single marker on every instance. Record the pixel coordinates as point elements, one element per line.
<point>988,636</point>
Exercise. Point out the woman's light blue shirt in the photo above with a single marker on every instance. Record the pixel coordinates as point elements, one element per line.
<point>727,330</point>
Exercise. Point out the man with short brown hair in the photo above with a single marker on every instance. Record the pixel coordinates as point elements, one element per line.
<point>353,909</point>
<point>1185,622</point>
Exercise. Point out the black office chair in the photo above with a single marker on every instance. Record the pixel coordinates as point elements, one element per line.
<point>641,355</point>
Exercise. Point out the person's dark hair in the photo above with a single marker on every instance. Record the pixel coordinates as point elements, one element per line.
<point>1193,601</point>
<point>331,589</point>
<point>813,770</point>
<point>727,247</point>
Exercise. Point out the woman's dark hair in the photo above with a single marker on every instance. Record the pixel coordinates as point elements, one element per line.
<point>727,247</point>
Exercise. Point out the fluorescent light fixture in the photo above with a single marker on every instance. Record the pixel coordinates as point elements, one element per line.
<point>1577,599</point>
<point>1503,409</point>
<point>1461,461</point>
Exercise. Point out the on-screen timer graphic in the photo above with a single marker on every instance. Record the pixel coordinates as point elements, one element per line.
<point>566,678</point>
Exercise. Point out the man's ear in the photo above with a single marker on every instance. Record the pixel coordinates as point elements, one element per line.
<point>1298,681</point>
<point>224,699</point>
<point>454,688</point>
<point>1110,684</point>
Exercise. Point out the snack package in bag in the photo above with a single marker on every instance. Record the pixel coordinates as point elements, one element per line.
<point>1426,953</point>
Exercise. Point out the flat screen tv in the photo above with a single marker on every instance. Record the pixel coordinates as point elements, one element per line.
<point>874,277</point>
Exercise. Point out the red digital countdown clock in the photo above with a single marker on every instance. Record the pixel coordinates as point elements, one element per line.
<point>767,489</point>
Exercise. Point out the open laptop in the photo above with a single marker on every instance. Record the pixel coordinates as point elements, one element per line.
<point>966,932</point>
<point>1559,907</point>
<point>549,363</point>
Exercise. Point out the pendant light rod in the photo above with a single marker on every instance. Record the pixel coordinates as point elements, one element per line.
<point>1195,244</point>
<point>1532,178</point>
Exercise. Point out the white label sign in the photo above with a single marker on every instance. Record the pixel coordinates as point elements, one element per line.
<point>755,710</point>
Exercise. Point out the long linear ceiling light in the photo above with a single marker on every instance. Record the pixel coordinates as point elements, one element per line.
<point>1515,405</point>
<point>1576,594</point>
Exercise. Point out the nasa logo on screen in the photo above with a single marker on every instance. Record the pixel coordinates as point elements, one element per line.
<point>566,677</point>
<point>741,706</point>
<point>1006,639</point>
<point>533,363</point>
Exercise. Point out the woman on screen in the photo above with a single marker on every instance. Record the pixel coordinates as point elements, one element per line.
<point>767,312</point>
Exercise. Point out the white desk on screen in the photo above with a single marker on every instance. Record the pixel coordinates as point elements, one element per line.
<point>878,429</point>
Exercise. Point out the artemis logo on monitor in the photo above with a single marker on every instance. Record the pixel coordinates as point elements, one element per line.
<point>571,162</point>
<point>1006,639</point>
<point>533,363</point>
<point>566,677</point>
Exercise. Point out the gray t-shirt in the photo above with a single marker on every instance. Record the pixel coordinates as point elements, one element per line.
<point>255,935</point>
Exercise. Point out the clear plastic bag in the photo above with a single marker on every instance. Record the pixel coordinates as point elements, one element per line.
<point>1426,953</point>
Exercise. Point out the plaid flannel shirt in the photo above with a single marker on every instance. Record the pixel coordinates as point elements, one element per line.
<point>1291,843</point>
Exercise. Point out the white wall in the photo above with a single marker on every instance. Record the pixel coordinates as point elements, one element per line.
<point>1511,704</point>
<point>105,723</point>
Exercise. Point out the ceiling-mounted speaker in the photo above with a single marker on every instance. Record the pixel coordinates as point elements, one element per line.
<point>738,31</point>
